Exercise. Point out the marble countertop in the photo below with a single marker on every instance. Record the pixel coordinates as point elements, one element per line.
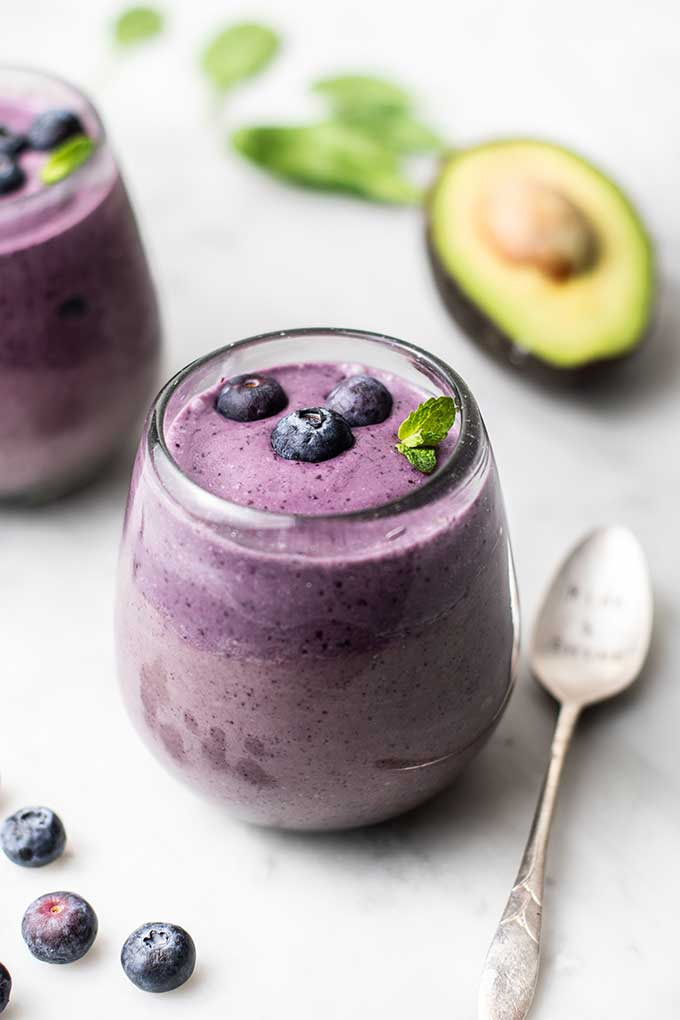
<point>395,921</point>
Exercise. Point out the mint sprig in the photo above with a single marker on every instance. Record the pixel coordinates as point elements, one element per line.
<point>423,430</point>
<point>67,158</point>
<point>423,458</point>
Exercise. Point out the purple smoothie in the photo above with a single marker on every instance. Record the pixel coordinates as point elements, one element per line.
<point>314,645</point>
<point>80,333</point>
<point>235,460</point>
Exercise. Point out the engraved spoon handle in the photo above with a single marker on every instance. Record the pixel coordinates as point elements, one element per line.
<point>511,969</point>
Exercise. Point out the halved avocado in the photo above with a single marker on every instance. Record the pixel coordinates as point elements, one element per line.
<point>539,256</point>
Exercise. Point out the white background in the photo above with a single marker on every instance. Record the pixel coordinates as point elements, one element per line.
<point>393,922</point>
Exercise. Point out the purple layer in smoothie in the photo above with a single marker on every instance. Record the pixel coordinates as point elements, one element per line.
<point>313,672</point>
<point>80,333</point>
<point>235,460</point>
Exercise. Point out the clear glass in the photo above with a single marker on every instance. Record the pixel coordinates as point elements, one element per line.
<point>80,338</point>
<point>317,671</point>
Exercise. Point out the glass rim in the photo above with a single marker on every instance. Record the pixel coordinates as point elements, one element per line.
<point>101,140</point>
<point>454,473</point>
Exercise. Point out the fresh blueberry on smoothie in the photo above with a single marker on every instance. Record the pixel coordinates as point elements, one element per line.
<point>311,434</point>
<point>11,144</point>
<point>361,400</point>
<point>51,128</point>
<point>12,176</point>
<point>251,397</point>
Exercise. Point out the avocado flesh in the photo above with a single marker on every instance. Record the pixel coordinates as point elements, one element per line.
<point>594,315</point>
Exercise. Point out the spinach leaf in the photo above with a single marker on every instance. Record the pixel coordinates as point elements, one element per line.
<point>361,92</point>
<point>136,25</point>
<point>239,52</point>
<point>329,155</point>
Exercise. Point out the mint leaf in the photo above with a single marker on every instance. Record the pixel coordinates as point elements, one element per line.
<point>358,91</point>
<point>67,158</point>
<point>329,155</point>
<point>395,129</point>
<point>238,52</point>
<point>424,458</point>
<point>429,423</point>
<point>137,24</point>
<point>423,429</point>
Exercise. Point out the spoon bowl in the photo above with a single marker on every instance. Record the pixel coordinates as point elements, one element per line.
<point>594,629</point>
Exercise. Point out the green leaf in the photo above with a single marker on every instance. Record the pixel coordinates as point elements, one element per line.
<point>67,158</point>
<point>395,129</point>
<point>361,92</point>
<point>137,24</point>
<point>424,458</point>
<point>238,52</point>
<point>423,429</point>
<point>429,423</point>
<point>328,155</point>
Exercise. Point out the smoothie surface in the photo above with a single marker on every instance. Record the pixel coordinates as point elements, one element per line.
<point>25,225</point>
<point>235,460</point>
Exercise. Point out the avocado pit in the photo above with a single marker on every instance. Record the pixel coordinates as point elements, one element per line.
<point>532,223</point>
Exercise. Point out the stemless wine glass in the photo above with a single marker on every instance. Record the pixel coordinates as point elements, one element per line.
<point>317,671</point>
<point>80,335</point>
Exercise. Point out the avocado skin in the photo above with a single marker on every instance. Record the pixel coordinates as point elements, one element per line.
<point>484,331</point>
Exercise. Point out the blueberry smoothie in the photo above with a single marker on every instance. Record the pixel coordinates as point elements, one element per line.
<point>80,334</point>
<point>310,629</point>
<point>236,460</point>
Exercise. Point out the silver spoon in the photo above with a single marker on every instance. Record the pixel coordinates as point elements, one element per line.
<point>591,640</point>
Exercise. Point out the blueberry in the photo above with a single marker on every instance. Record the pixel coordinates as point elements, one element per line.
<point>53,127</point>
<point>159,957</point>
<point>5,987</point>
<point>11,175</point>
<point>361,400</point>
<point>251,397</point>
<point>312,434</point>
<point>11,144</point>
<point>59,927</point>
<point>33,837</point>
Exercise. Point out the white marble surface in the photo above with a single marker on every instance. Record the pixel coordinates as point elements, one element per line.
<point>392,922</point>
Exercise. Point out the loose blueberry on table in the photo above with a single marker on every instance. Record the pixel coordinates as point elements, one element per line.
<point>53,127</point>
<point>5,987</point>
<point>250,398</point>
<point>312,434</point>
<point>361,400</point>
<point>159,957</point>
<point>33,837</point>
<point>59,927</point>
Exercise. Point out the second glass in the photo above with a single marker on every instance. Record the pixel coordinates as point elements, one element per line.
<point>80,336</point>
